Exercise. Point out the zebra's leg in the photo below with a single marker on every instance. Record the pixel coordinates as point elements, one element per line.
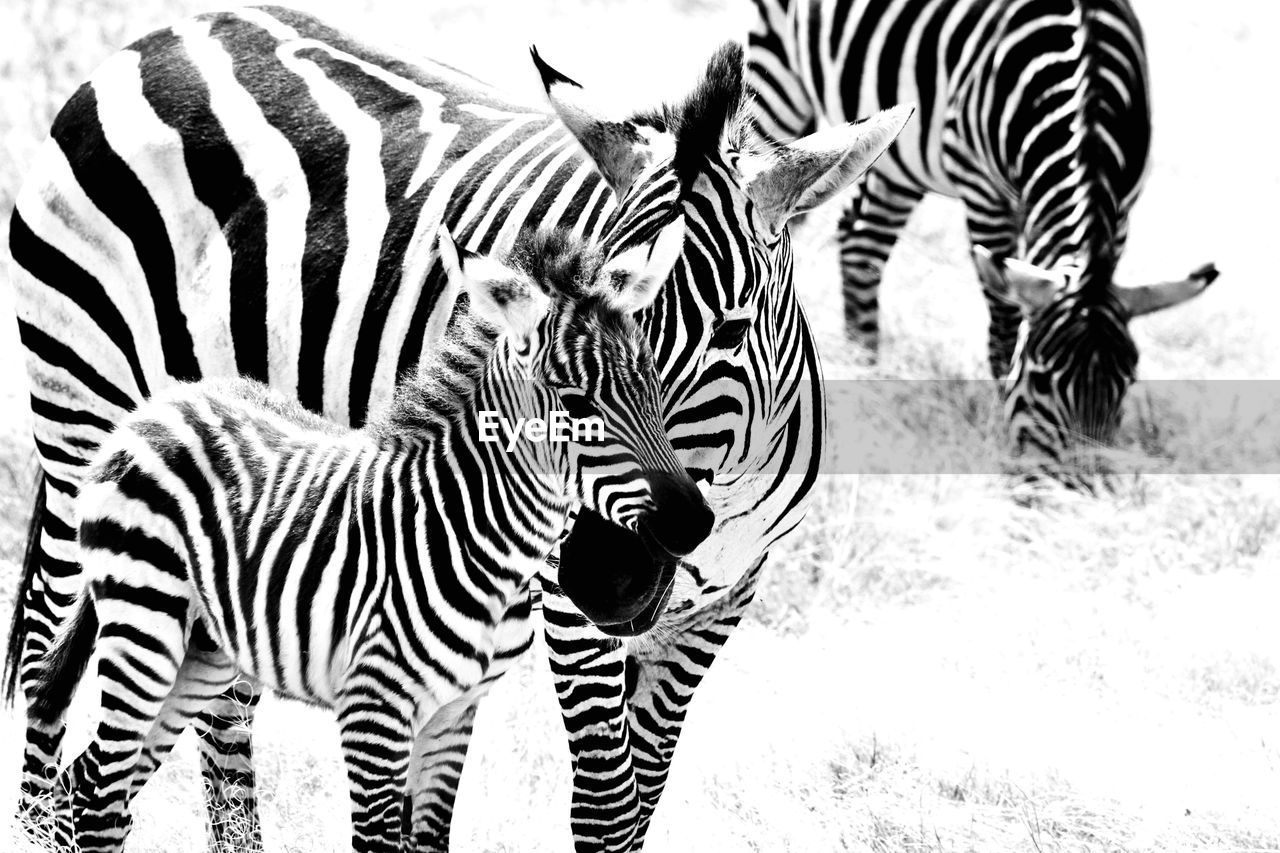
<point>440,750</point>
<point>661,679</point>
<point>224,726</point>
<point>867,233</point>
<point>590,678</point>
<point>44,803</point>
<point>376,725</point>
<point>136,679</point>
<point>439,753</point>
<point>1006,316</point>
<point>993,225</point>
<point>49,598</point>
<point>39,800</point>
<point>43,808</point>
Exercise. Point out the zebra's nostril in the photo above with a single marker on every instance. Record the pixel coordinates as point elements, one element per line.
<point>699,475</point>
<point>704,519</point>
<point>681,518</point>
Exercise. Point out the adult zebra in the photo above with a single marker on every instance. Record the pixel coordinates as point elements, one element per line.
<point>1035,114</point>
<point>253,192</point>
<point>227,532</point>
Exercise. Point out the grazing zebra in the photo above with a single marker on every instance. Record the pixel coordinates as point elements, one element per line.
<point>226,530</point>
<point>253,193</point>
<point>1035,114</point>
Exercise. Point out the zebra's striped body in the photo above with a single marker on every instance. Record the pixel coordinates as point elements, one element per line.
<point>253,193</point>
<point>1035,114</point>
<point>224,529</point>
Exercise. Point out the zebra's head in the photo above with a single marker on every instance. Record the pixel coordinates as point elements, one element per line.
<point>701,157</point>
<point>567,313</point>
<point>1075,357</point>
<point>741,385</point>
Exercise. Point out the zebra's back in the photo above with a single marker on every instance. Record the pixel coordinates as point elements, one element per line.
<point>274,184</point>
<point>253,193</point>
<point>223,501</point>
<point>987,74</point>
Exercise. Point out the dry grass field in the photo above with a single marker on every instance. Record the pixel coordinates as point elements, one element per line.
<point>931,664</point>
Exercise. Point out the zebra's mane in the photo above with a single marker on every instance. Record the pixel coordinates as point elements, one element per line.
<point>1103,175</point>
<point>444,384</point>
<point>1100,198</point>
<point>714,114</point>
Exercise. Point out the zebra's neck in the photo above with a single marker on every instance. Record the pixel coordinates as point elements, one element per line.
<point>1075,228</point>
<point>509,493</point>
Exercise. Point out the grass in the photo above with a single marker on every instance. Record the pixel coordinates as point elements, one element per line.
<point>934,662</point>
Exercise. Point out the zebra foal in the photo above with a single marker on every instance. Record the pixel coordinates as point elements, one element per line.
<point>225,530</point>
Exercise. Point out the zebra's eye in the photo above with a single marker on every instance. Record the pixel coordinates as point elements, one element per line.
<point>1041,383</point>
<point>577,402</point>
<point>729,334</point>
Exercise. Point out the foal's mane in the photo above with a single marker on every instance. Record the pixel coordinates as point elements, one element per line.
<point>443,385</point>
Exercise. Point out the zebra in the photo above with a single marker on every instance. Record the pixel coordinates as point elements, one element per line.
<point>204,172</point>
<point>1035,114</point>
<point>227,532</point>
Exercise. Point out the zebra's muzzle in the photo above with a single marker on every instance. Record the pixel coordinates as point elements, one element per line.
<point>648,617</point>
<point>610,573</point>
<point>651,612</point>
<point>622,580</point>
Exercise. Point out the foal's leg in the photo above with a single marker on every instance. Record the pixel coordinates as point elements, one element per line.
<point>226,763</point>
<point>439,753</point>
<point>207,674</point>
<point>375,719</point>
<point>440,750</point>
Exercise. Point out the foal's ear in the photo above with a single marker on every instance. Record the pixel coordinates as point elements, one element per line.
<point>501,294</point>
<point>635,276</point>
<point>800,176</point>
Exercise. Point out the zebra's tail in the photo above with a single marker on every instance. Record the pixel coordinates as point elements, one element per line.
<point>17,629</point>
<point>65,663</point>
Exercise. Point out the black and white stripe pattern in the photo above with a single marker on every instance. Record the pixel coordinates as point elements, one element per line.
<point>226,532</point>
<point>253,193</point>
<point>1035,114</point>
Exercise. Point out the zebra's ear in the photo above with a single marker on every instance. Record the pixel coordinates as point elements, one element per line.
<point>618,146</point>
<point>636,276</point>
<point>1149,298</point>
<point>800,176</point>
<point>1030,286</point>
<point>501,294</point>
